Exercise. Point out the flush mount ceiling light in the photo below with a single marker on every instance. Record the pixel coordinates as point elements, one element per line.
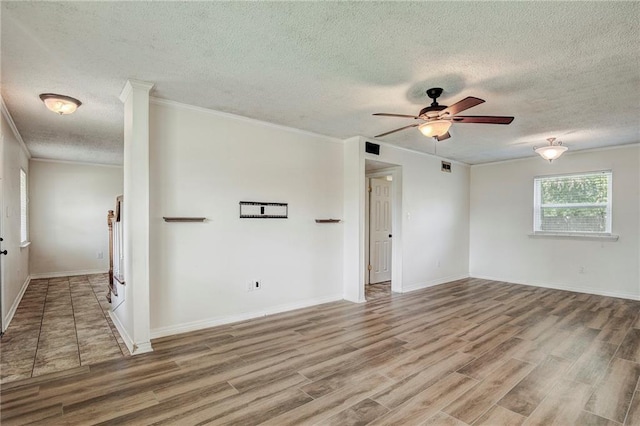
<point>551,151</point>
<point>60,104</point>
<point>435,128</point>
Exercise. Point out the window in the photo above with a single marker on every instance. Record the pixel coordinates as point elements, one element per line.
<point>23,207</point>
<point>573,204</point>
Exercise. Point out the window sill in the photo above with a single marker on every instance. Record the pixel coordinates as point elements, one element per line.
<point>25,244</point>
<point>575,236</point>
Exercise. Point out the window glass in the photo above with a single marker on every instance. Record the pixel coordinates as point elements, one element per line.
<point>578,203</point>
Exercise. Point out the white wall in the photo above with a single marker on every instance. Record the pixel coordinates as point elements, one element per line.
<point>435,218</point>
<point>203,164</point>
<point>430,224</point>
<point>502,218</point>
<point>15,265</point>
<point>68,216</point>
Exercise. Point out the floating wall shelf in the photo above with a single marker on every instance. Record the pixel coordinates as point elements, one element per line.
<point>184,219</point>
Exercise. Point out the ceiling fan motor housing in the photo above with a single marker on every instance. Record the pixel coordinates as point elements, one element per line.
<point>433,109</point>
<point>434,93</point>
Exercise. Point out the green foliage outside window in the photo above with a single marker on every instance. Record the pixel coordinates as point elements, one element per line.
<point>585,189</point>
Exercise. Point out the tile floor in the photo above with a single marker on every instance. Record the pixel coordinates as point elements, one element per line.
<point>61,323</point>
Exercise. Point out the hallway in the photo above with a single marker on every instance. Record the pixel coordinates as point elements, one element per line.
<point>61,323</point>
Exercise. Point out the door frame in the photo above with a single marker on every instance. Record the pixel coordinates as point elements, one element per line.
<point>2,217</point>
<point>396,225</point>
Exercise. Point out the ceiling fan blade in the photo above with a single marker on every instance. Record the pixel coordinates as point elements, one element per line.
<point>443,137</point>
<point>466,103</point>
<point>396,130</point>
<point>384,114</point>
<point>482,119</point>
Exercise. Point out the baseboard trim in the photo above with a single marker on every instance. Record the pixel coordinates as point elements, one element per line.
<point>431,283</point>
<point>142,348</point>
<point>363,300</point>
<point>212,322</point>
<point>563,287</point>
<point>67,273</point>
<point>134,348</point>
<point>14,306</point>
<point>123,332</point>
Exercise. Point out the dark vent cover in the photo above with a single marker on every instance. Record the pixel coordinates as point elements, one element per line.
<point>372,148</point>
<point>446,167</point>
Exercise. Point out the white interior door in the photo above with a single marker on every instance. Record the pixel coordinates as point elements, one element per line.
<point>380,231</point>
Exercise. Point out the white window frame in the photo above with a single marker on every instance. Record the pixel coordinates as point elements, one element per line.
<point>24,208</point>
<point>537,206</point>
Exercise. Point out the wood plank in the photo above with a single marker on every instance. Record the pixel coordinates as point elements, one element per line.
<point>283,390</point>
<point>613,393</point>
<point>528,394</point>
<point>405,389</point>
<point>331,404</point>
<point>362,413</point>
<point>587,418</point>
<point>563,405</point>
<point>633,415</point>
<point>499,416</point>
<point>593,363</point>
<point>31,416</point>
<point>480,368</point>
<point>572,347</point>
<point>491,340</point>
<point>323,368</point>
<point>428,402</point>
<point>423,357</point>
<point>470,406</point>
<point>443,419</point>
<point>630,347</point>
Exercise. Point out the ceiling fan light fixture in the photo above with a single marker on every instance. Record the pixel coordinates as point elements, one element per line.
<point>60,104</point>
<point>435,128</point>
<point>552,151</point>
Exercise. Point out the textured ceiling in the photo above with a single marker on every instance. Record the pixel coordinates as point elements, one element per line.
<point>570,70</point>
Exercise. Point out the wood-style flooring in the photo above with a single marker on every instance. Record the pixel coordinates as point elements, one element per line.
<point>60,323</point>
<point>378,290</point>
<point>472,352</point>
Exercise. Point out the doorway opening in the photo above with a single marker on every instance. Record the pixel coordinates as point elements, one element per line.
<point>382,198</point>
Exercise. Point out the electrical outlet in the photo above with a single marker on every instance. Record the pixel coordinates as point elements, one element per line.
<point>581,270</point>
<point>99,255</point>
<point>438,264</point>
<point>254,285</point>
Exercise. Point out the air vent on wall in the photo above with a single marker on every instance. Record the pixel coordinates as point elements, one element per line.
<point>372,148</point>
<point>446,167</point>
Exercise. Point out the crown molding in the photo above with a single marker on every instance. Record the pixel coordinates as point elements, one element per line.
<point>77,163</point>
<point>12,125</point>
<point>167,102</point>
<point>567,153</point>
